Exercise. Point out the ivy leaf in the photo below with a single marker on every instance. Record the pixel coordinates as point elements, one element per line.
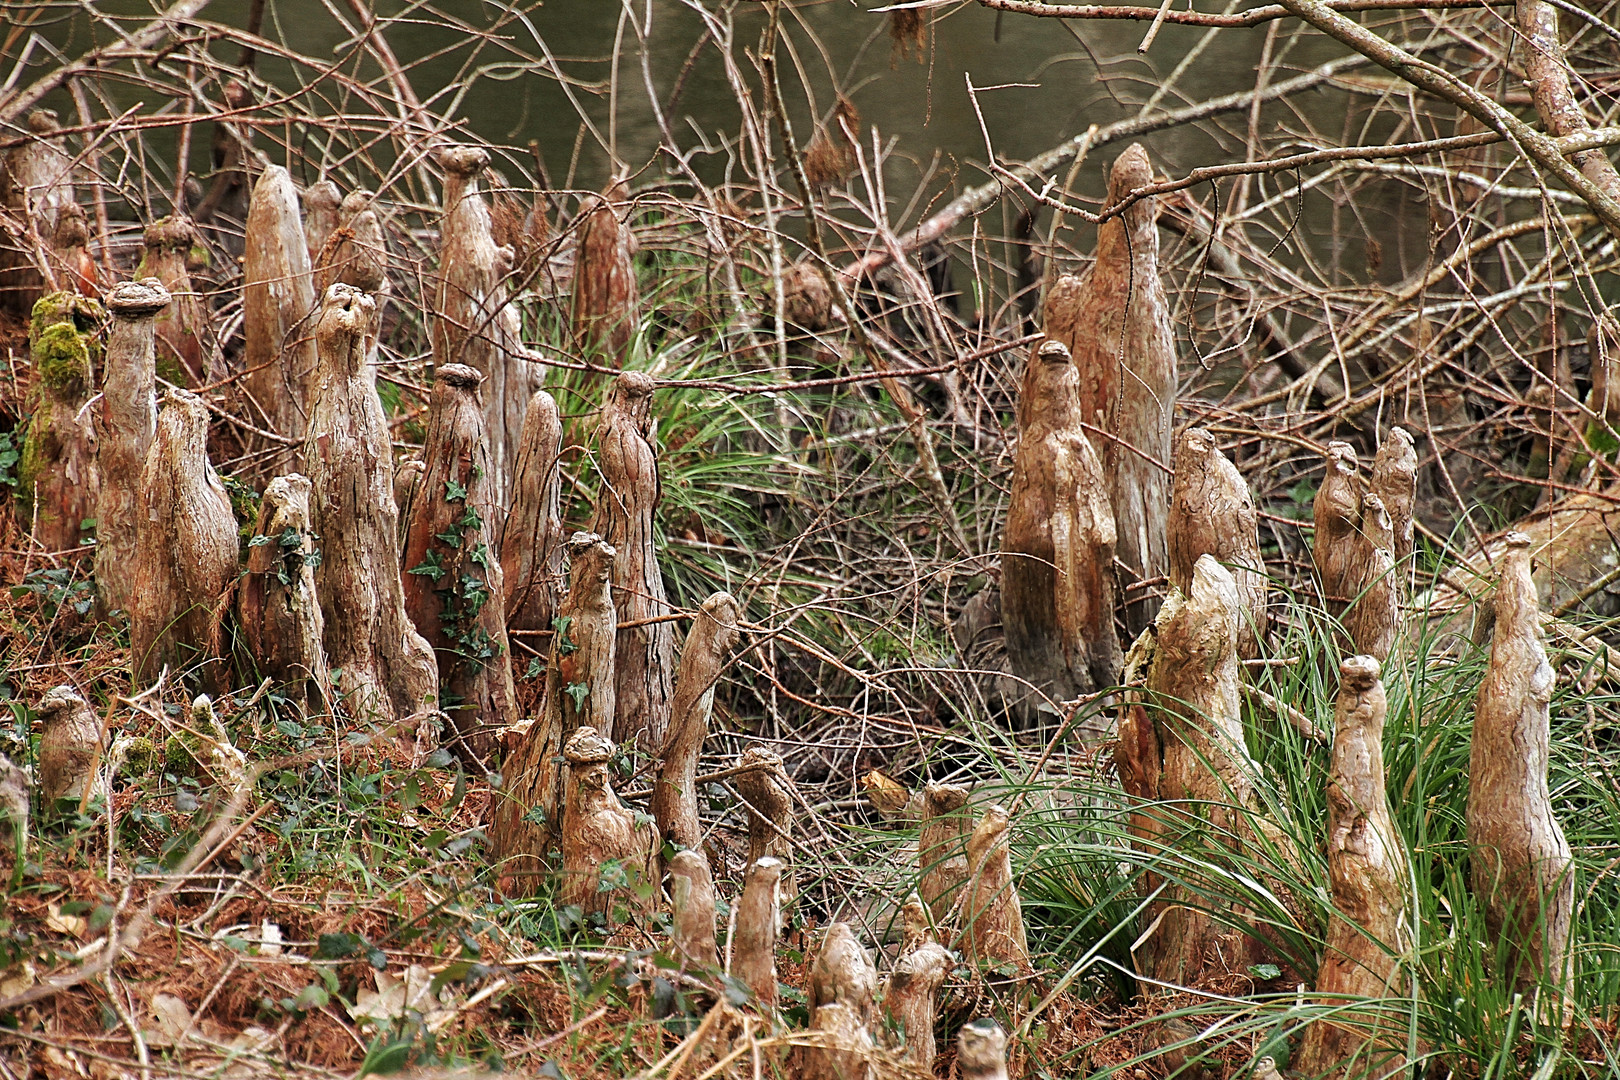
<point>452,539</point>
<point>430,567</point>
<point>454,492</point>
<point>579,692</point>
<point>564,644</point>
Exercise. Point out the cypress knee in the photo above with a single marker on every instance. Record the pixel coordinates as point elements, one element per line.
<point>579,691</point>
<point>474,324</point>
<point>942,846</point>
<point>598,829</point>
<point>1212,513</point>
<point>1394,479</point>
<point>1057,576</point>
<point>278,308</point>
<point>1353,548</point>
<point>674,800</point>
<point>1373,620</point>
<point>454,591</point>
<point>911,996</point>
<point>36,186</point>
<point>759,914</point>
<point>1369,929</point>
<point>992,917</point>
<point>843,973</point>
<point>1336,514</point>
<point>645,654</point>
<point>387,669</point>
<point>185,548</point>
<point>57,475</point>
<point>981,1051</point>
<point>276,603</point>
<point>1520,861</point>
<point>71,262</point>
<point>183,335</point>
<point>532,542</point>
<point>692,909</point>
<point>69,747</point>
<point>322,217</point>
<point>126,425</point>
<point>605,303</point>
<point>765,786</point>
<point>356,252</point>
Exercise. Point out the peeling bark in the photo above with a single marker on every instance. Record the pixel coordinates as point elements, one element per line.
<point>843,974</point>
<point>598,829</point>
<point>278,300</point>
<point>911,995</point>
<point>276,604</point>
<point>1212,513</point>
<point>759,913</point>
<point>1520,859</point>
<point>532,542</point>
<point>387,669</point>
<point>322,217</point>
<point>1057,587</point>
<point>184,337</point>
<point>454,591</point>
<point>981,1051</point>
<point>1371,926</point>
<point>57,474</point>
<point>992,917</point>
<point>644,656</point>
<point>604,310</point>
<point>407,482</point>
<point>126,425</point>
<point>69,748</point>
<point>473,322</point>
<point>674,799</point>
<point>692,909</point>
<point>1394,481</point>
<point>765,786</point>
<point>36,184</point>
<point>942,846</point>
<point>185,548</point>
<point>579,692</point>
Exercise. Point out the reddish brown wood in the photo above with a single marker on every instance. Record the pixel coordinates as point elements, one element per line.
<point>1212,513</point>
<point>277,609</point>
<point>606,302</point>
<point>184,338</point>
<point>533,540</point>
<point>126,423</point>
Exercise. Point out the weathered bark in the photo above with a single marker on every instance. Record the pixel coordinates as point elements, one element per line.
<point>981,1051</point>
<point>598,829</point>
<point>843,973</point>
<point>1371,924</point>
<point>1116,323</point>
<point>1520,862</point>
<point>126,425</point>
<point>992,918</point>
<point>807,300</point>
<point>387,669</point>
<point>692,909</point>
<point>674,799</point>
<point>69,748</point>
<point>604,310</point>
<point>1336,513</point>
<point>1394,480</point>
<point>842,1046</point>
<point>474,324</point>
<point>1057,578</point>
<point>1212,513</point>
<point>1373,620</point>
<point>759,913</point>
<point>532,542</point>
<point>579,692</point>
<point>184,339</point>
<point>322,217</point>
<point>911,995</point>
<point>1194,705</point>
<point>57,475</point>
<point>185,548</point>
<point>1546,73</point>
<point>1354,546</point>
<point>276,604</point>
<point>407,482</point>
<point>36,184</point>
<point>15,786</point>
<point>356,252</point>
<point>644,656</point>
<point>942,846</point>
<point>454,591</point>
<point>278,299</point>
<point>69,252</point>
<point>765,786</point>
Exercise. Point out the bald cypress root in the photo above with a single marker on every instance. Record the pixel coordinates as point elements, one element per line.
<point>768,791</point>
<point>605,305</point>
<point>276,604</point>
<point>759,914</point>
<point>981,1051</point>
<point>57,473</point>
<point>36,188</point>
<point>942,846</point>
<point>674,801</point>
<point>1212,513</point>
<point>278,309</point>
<point>533,540</point>
<point>454,591</point>
<point>184,336</point>
<point>599,833</point>
<point>992,917</point>
<point>126,423</point>
<point>69,748</point>
<point>1354,547</point>
<point>911,995</point>
<point>692,909</point>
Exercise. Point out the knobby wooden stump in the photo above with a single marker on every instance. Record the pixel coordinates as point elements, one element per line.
<point>1520,860</point>
<point>1354,548</point>
<point>185,549</point>
<point>387,670</point>
<point>606,302</point>
<point>454,591</point>
<point>1371,926</point>
<point>322,217</point>
<point>768,791</point>
<point>277,608</point>
<point>645,654</point>
<point>475,325</point>
<point>911,995</point>
<point>126,423</point>
<point>36,187</point>
<point>69,253</point>
<point>981,1051</point>
<point>942,846</point>
<point>69,749</point>
<point>57,473</point>
<point>579,692</point>
<point>842,989</point>
<point>708,647</point>
<point>278,309</point>
<point>356,252</point>
<point>692,910</point>
<point>992,917</point>
<point>598,830</point>
<point>1212,513</point>
<point>1057,575</point>
<point>1394,481</point>
<point>533,540</point>
<point>184,336</point>
<point>752,951</point>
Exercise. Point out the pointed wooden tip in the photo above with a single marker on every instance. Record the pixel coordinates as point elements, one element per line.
<point>138,299</point>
